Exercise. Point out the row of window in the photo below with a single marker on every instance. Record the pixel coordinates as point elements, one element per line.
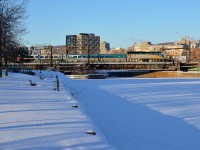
<point>97,56</point>
<point>48,57</point>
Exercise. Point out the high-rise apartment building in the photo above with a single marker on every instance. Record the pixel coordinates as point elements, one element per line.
<point>83,43</point>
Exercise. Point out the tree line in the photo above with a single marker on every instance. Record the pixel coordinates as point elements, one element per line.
<point>12,27</point>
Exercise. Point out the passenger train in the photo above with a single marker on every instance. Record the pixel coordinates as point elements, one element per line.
<point>129,57</point>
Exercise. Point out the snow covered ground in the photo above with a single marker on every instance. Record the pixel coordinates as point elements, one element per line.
<point>143,114</point>
<point>127,114</point>
<point>38,117</point>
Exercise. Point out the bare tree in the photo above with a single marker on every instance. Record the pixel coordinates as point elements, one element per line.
<point>12,16</point>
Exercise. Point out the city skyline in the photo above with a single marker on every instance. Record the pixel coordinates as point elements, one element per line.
<point>119,22</point>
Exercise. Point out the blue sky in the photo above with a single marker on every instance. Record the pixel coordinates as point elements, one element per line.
<point>119,22</point>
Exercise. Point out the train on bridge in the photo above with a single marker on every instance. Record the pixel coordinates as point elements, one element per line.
<point>132,60</point>
<point>133,57</point>
<point>129,57</point>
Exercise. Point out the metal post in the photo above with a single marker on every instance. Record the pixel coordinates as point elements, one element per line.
<point>57,81</point>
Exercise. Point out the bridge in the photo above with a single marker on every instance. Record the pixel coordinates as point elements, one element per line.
<point>83,67</point>
<point>78,67</point>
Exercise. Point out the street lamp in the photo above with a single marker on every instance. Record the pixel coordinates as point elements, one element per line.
<point>18,60</point>
<point>62,57</point>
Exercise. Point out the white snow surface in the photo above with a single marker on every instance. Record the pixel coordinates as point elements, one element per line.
<point>126,114</point>
<point>38,117</point>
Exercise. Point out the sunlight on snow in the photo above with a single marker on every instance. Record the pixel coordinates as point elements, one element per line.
<point>177,99</point>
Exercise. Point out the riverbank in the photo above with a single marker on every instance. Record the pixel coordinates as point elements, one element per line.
<point>153,74</point>
<point>139,74</point>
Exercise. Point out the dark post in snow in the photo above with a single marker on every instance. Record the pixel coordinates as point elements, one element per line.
<point>40,62</point>
<point>57,81</point>
<point>51,62</point>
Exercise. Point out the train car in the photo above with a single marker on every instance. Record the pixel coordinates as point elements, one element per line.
<point>141,56</point>
<point>132,56</point>
<point>46,58</point>
<point>97,57</point>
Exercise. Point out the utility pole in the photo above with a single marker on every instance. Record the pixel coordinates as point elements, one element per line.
<point>88,51</point>
<point>67,51</point>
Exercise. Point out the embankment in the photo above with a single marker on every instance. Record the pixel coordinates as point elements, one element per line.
<point>156,74</point>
